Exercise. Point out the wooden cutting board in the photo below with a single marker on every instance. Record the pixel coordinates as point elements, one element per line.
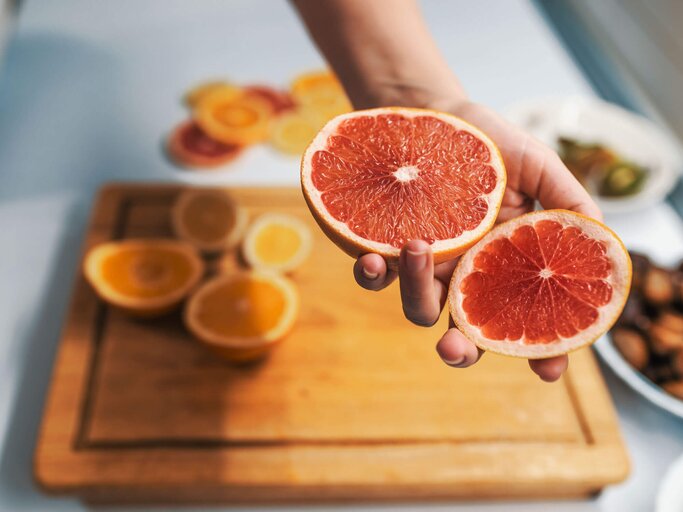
<point>354,404</point>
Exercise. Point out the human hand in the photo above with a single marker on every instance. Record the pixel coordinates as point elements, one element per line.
<point>534,172</point>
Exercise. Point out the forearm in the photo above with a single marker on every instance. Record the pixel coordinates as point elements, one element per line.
<point>382,52</point>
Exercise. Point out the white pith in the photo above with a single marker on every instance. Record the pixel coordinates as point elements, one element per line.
<point>619,279</point>
<point>493,199</point>
<point>406,173</point>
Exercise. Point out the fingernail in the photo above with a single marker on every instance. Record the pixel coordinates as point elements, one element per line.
<point>456,362</point>
<point>369,275</point>
<point>416,261</point>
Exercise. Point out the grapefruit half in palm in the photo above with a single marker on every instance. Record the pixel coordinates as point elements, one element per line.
<point>375,179</point>
<point>541,285</point>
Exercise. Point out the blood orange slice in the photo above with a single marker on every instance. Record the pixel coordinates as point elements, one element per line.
<point>189,146</point>
<point>279,101</point>
<point>375,179</point>
<point>541,285</point>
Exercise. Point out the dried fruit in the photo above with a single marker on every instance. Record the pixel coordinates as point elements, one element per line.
<point>632,346</point>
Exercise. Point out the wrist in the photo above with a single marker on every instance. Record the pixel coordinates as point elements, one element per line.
<point>437,92</point>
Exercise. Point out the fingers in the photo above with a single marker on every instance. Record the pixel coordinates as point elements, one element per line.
<point>422,296</point>
<point>371,272</point>
<point>456,350</point>
<point>545,177</point>
<point>549,370</point>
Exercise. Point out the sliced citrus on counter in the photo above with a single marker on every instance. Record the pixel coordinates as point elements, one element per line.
<point>241,119</point>
<point>321,93</point>
<point>279,101</point>
<point>209,219</point>
<point>375,179</point>
<point>277,242</point>
<point>292,132</point>
<point>189,146</point>
<point>198,93</point>
<point>143,277</point>
<point>541,285</point>
<point>241,316</point>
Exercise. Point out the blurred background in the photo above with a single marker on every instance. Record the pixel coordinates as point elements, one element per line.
<point>90,90</point>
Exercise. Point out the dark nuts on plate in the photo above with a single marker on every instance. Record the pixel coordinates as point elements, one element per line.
<point>674,387</point>
<point>632,347</point>
<point>658,287</point>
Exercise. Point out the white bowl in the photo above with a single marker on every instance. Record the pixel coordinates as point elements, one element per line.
<point>632,136</point>
<point>635,379</point>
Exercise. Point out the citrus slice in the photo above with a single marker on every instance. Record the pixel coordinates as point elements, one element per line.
<point>277,242</point>
<point>375,179</point>
<point>241,316</point>
<point>279,101</point>
<point>198,93</point>
<point>143,277</point>
<point>321,93</point>
<point>233,119</point>
<point>292,132</point>
<point>189,146</point>
<point>209,219</point>
<point>541,285</point>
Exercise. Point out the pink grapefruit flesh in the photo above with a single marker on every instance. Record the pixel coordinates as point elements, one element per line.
<point>541,285</point>
<point>376,179</point>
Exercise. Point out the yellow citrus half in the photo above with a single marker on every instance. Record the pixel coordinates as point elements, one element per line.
<point>277,242</point>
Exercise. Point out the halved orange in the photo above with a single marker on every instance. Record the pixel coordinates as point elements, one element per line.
<point>189,146</point>
<point>278,242</point>
<point>292,132</point>
<point>234,119</point>
<point>241,317</point>
<point>201,91</point>
<point>144,277</point>
<point>375,179</point>
<point>210,219</point>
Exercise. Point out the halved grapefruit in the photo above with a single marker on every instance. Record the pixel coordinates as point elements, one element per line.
<point>241,316</point>
<point>144,277</point>
<point>189,146</point>
<point>279,101</point>
<point>541,285</point>
<point>375,179</point>
<point>210,219</point>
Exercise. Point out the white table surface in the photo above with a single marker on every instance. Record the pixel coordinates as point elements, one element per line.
<point>87,90</point>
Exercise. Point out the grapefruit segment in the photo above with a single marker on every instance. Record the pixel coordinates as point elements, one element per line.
<point>378,178</point>
<point>541,285</point>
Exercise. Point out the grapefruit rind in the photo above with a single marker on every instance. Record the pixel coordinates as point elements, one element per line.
<point>355,245</point>
<point>231,239</point>
<point>250,252</point>
<point>139,306</point>
<point>239,348</point>
<point>620,280</point>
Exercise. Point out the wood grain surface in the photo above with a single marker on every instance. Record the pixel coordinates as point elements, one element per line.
<point>353,405</point>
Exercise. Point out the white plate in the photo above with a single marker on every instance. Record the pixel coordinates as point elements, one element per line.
<point>670,496</point>
<point>634,137</point>
<point>635,379</point>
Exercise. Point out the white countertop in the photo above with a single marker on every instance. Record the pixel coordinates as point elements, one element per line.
<point>89,88</point>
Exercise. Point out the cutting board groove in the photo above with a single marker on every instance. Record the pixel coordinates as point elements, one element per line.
<point>354,405</point>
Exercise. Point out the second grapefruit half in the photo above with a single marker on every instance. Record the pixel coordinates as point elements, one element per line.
<point>541,285</point>
<point>375,179</point>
